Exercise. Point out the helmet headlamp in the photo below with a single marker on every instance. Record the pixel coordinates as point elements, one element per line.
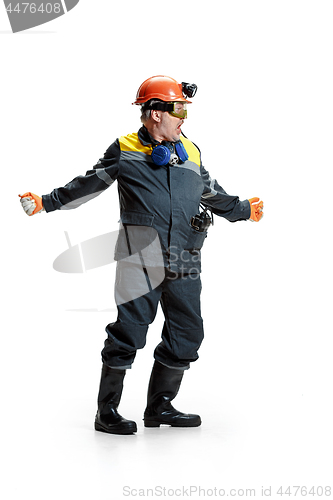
<point>189,89</point>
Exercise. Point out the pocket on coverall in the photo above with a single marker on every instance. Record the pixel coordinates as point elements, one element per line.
<point>195,240</point>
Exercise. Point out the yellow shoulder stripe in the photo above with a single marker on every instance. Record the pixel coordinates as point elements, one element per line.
<point>192,151</point>
<point>131,143</point>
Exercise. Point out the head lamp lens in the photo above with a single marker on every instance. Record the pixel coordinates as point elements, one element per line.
<point>189,89</point>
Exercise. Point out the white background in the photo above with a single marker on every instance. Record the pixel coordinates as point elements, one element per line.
<point>262,118</point>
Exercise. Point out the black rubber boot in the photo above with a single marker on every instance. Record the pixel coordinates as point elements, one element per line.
<point>163,388</point>
<point>107,417</point>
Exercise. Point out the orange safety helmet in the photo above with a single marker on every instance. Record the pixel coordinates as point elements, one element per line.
<point>160,87</point>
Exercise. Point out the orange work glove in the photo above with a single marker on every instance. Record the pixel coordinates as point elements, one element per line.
<point>256,209</point>
<point>31,203</point>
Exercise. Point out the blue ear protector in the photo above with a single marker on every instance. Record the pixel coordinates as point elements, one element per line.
<point>161,155</point>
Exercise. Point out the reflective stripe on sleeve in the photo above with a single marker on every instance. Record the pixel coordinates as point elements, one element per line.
<point>212,191</point>
<point>104,176</point>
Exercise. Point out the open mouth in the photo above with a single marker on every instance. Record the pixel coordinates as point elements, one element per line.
<point>180,125</point>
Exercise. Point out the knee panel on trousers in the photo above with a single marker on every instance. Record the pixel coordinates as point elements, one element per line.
<point>122,343</point>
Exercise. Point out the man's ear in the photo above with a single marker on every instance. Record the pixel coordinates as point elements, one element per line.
<point>155,115</point>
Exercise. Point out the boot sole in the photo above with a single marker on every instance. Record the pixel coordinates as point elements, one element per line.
<point>128,430</point>
<point>156,423</point>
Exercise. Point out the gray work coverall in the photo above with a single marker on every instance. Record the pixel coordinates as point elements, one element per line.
<point>161,199</point>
